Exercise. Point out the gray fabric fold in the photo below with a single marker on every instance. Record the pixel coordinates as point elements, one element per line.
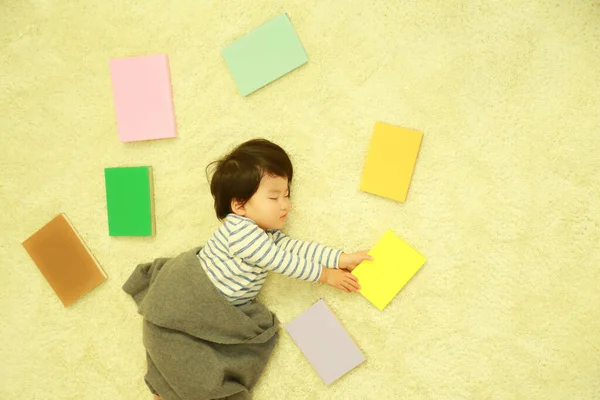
<point>198,345</point>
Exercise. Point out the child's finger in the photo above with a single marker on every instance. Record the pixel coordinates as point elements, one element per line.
<point>347,287</point>
<point>355,285</point>
<point>352,285</point>
<point>350,276</point>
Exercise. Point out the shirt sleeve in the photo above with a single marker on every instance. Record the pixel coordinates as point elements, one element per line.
<point>254,246</point>
<point>313,252</point>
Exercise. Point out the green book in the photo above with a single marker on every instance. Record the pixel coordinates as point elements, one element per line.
<point>129,201</point>
<point>265,54</point>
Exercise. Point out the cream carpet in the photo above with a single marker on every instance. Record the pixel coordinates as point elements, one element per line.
<point>504,200</point>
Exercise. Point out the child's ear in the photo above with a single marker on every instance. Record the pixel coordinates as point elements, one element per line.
<point>238,207</point>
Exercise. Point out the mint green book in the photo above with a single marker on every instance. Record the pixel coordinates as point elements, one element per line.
<point>129,201</point>
<point>264,55</point>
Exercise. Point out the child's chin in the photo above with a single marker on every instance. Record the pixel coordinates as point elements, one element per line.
<point>278,225</point>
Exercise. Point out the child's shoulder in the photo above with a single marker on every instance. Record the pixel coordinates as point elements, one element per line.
<point>234,219</point>
<point>235,223</point>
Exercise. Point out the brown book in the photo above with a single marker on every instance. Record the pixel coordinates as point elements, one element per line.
<point>64,260</point>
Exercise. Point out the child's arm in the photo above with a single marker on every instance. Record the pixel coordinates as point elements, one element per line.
<point>311,251</point>
<point>254,246</point>
<point>320,254</point>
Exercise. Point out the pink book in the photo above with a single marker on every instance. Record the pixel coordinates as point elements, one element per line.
<point>143,97</point>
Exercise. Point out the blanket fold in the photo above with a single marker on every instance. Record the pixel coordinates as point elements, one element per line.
<point>198,345</point>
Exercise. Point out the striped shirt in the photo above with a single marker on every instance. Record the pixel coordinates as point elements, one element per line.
<point>239,255</point>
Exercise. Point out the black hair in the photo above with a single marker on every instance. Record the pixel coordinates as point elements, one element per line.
<point>238,174</point>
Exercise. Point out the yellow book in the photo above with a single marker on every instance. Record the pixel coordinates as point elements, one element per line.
<point>391,161</point>
<point>394,263</point>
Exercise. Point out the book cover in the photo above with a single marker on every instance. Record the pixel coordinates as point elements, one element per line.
<point>130,201</point>
<point>264,55</point>
<point>324,342</point>
<point>390,161</point>
<point>394,263</point>
<point>143,98</point>
<point>64,260</point>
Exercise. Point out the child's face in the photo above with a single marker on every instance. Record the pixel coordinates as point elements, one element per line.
<point>269,206</point>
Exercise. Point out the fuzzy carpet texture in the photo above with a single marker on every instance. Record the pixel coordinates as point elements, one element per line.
<point>504,200</point>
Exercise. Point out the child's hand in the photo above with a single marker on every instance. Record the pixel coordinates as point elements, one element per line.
<point>340,279</point>
<point>350,261</point>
